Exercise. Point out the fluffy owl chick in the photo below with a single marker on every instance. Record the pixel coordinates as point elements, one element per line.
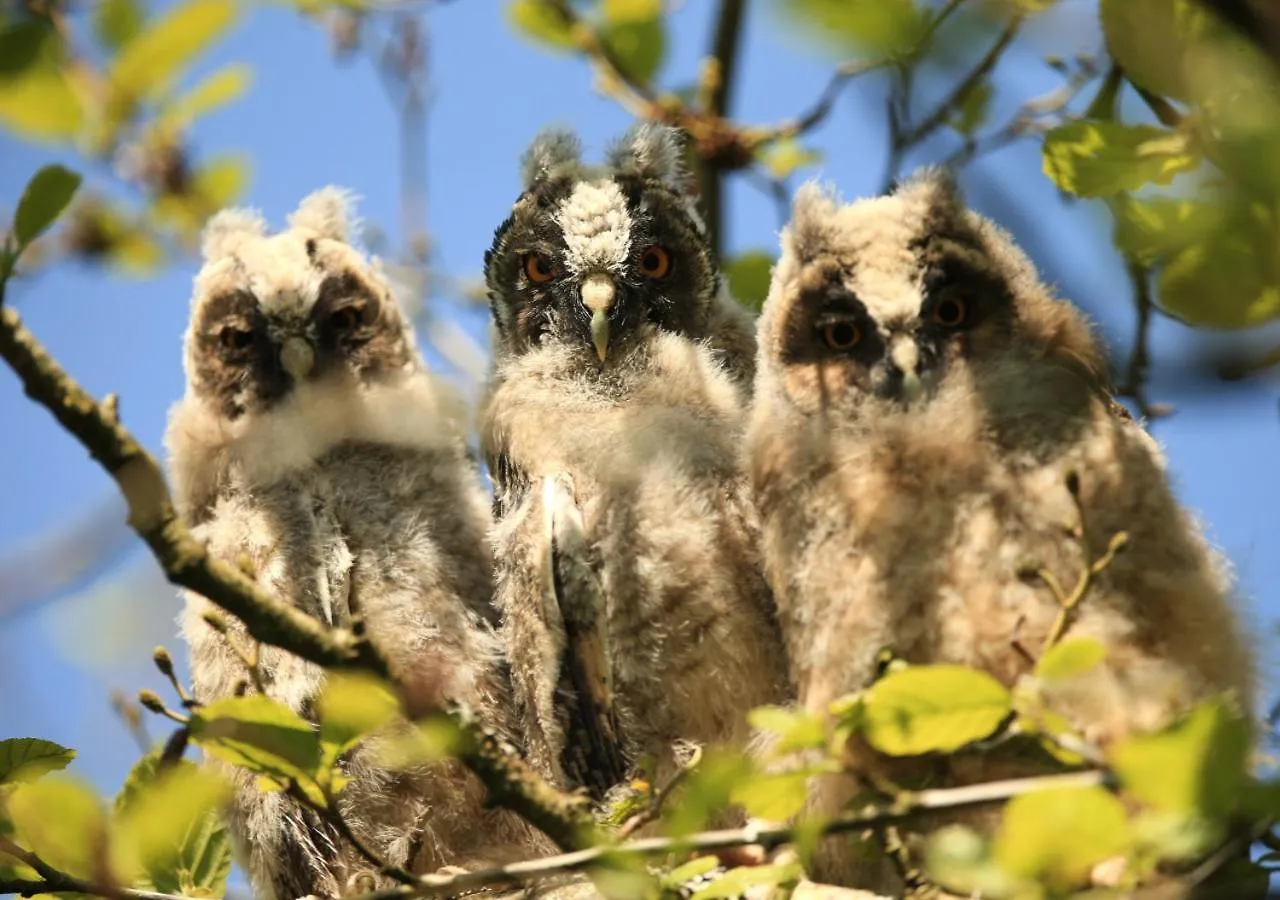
<point>312,446</point>
<point>920,400</point>
<point>619,373</point>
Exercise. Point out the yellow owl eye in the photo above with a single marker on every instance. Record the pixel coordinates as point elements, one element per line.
<point>655,262</point>
<point>538,268</point>
<point>949,313</point>
<point>234,338</point>
<point>841,335</point>
<point>347,318</point>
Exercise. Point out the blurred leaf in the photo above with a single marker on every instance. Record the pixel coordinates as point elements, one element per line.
<point>1069,658</point>
<point>353,705</point>
<point>638,45</point>
<point>117,22</point>
<point>541,21</point>
<point>148,64</point>
<point>748,275</point>
<point>1194,767</point>
<point>973,112</point>
<point>1151,40</point>
<point>775,797</point>
<point>1057,836</point>
<point>1097,159</point>
<point>168,823</point>
<point>694,868</point>
<point>46,195</point>
<point>60,820</point>
<point>785,156</point>
<point>735,882</point>
<point>793,729</point>
<point>923,709</point>
<point>1239,879</point>
<point>616,11</point>
<point>222,180</point>
<point>706,791</point>
<point>877,27</point>
<point>425,741</point>
<point>36,99</point>
<point>1150,229</point>
<point>259,734</point>
<point>218,89</point>
<point>958,858</point>
<point>137,253</point>
<point>26,759</point>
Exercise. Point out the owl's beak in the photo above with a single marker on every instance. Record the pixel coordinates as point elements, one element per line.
<point>298,357</point>
<point>598,294</point>
<point>905,356</point>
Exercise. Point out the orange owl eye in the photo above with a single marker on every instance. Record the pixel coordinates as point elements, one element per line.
<point>538,268</point>
<point>655,262</point>
<point>949,313</point>
<point>233,338</point>
<point>347,318</point>
<point>841,335</point>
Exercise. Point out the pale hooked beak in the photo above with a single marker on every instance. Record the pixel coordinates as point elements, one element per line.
<point>298,357</point>
<point>598,294</point>
<point>905,355</point>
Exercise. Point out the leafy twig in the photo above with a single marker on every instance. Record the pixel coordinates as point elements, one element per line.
<point>651,812</point>
<point>1135,382</point>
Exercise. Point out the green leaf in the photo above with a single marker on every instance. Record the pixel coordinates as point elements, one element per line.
<point>748,275</point>
<point>541,22</point>
<point>47,194</point>
<point>735,882</point>
<point>168,824</point>
<point>958,858</point>
<point>117,22</point>
<point>1152,229</point>
<point>22,46</point>
<point>923,709</point>
<point>1069,658</point>
<point>36,99</point>
<point>706,791</point>
<point>1056,836</point>
<point>879,27</point>
<point>972,113</point>
<point>639,46</point>
<point>60,820</point>
<point>774,797</point>
<point>218,89</point>
<point>147,65</point>
<point>259,734</point>
<point>1154,39</point>
<point>785,156</point>
<point>1194,767</point>
<point>631,10</point>
<point>793,729</point>
<point>1098,159</point>
<point>26,759</point>
<point>353,705</point>
<point>694,868</point>
<point>425,741</point>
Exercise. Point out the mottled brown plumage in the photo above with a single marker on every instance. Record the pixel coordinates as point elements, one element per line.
<point>920,400</point>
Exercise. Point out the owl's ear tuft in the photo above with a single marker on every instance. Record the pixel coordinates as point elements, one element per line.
<point>652,151</point>
<point>227,230</point>
<point>813,214</point>
<point>935,186</point>
<point>327,213</point>
<point>552,149</point>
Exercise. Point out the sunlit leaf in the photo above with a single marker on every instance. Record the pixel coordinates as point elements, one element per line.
<point>958,858</point>
<point>1151,229</point>
<point>735,882</point>
<point>706,791</point>
<point>222,180</point>
<point>26,759</point>
<point>258,733</point>
<point>1058,835</point>
<point>37,100</point>
<point>923,709</point>
<point>540,21</point>
<point>631,10</point>
<point>422,742</point>
<point>136,253</point>
<point>1098,159</point>
<point>783,157</point>
<point>792,729</point>
<point>352,706</point>
<point>59,819</point>
<point>1196,766</point>
<point>875,27</point>
<point>1069,658</point>
<point>218,89</point>
<point>774,797</point>
<point>168,825</point>
<point>694,868</point>
<point>149,63</point>
<point>748,275</point>
<point>1152,39</point>
<point>46,195</point>
<point>117,22</point>
<point>639,46</point>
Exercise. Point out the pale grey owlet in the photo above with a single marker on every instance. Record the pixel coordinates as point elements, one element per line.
<point>313,445</point>
<point>920,400</point>
<point>612,428</point>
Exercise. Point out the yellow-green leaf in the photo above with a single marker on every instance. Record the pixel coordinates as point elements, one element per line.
<point>1153,40</point>
<point>774,797</point>
<point>694,868</point>
<point>924,709</point>
<point>60,820</point>
<point>149,63</point>
<point>46,195</point>
<point>631,10</point>
<point>639,46</point>
<point>26,759</point>
<point>258,733</point>
<point>1194,767</point>
<point>957,858</point>
<point>424,741</point>
<point>706,791</point>
<point>117,22</point>
<point>1069,658</point>
<point>1056,836</point>
<point>1098,159</point>
<point>785,156</point>
<point>878,27</point>
<point>353,705</point>
<point>748,275</point>
<point>222,180</point>
<point>218,89</point>
<point>540,21</point>
<point>1150,229</point>
<point>735,882</point>
<point>36,98</point>
<point>793,729</point>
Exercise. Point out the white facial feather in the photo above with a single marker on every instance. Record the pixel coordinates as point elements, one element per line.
<point>228,230</point>
<point>327,213</point>
<point>596,226</point>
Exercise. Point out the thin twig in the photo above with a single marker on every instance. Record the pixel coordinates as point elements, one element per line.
<point>1135,382</point>
<point>651,812</point>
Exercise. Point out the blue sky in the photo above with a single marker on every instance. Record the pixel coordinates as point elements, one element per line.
<point>308,121</point>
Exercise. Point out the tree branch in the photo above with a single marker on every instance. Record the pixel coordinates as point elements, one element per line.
<point>724,65</point>
<point>564,818</point>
